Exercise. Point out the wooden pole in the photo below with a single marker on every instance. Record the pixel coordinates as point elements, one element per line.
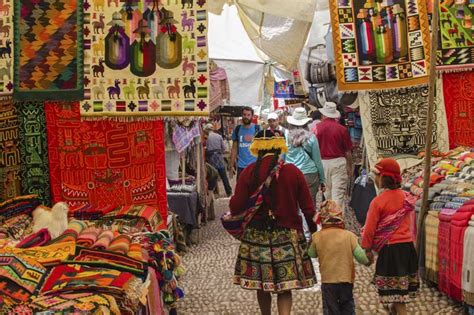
<point>429,123</point>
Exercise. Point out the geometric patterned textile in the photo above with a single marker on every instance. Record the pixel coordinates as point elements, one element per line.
<point>48,50</point>
<point>34,170</point>
<point>10,185</point>
<point>6,47</point>
<point>459,102</point>
<point>394,123</point>
<point>456,40</point>
<point>145,58</point>
<point>379,44</point>
<point>105,162</point>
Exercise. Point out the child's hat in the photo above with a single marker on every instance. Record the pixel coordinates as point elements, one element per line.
<point>330,213</point>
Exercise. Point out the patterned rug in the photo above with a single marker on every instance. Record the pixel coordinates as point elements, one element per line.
<point>459,100</point>
<point>380,45</point>
<point>34,171</point>
<point>6,48</point>
<point>105,162</point>
<point>456,41</point>
<point>48,50</point>
<point>394,123</point>
<point>10,184</point>
<point>146,58</point>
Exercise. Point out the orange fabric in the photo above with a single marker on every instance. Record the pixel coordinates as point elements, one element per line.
<point>387,203</point>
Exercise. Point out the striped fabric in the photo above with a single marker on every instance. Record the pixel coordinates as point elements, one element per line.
<point>431,246</point>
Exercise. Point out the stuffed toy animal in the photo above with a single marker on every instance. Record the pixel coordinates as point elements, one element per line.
<point>54,219</point>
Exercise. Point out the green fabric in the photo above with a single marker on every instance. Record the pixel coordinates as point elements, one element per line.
<point>360,256</point>
<point>307,158</point>
<point>312,251</point>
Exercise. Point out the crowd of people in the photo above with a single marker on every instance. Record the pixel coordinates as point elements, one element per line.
<point>287,167</point>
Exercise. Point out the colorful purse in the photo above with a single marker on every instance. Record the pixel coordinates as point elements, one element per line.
<point>236,224</point>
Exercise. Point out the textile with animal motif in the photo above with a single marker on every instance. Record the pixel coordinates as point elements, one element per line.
<point>6,47</point>
<point>34,171</point>
<point>48,50</point>
<point>456,40</point>
<point>76,303</point>
<point>459,102</point>
<point>394,123</point>
<point>146,58</point>
<point>45,255</point>
<point>105,162</point>
<point>380,45</point>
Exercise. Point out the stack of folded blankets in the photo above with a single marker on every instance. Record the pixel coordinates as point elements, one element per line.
<point>120,262</point>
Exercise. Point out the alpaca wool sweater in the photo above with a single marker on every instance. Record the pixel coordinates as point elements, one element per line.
<point>291,192</point>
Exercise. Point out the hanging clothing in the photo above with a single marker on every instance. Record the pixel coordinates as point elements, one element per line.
<point>219,88</point>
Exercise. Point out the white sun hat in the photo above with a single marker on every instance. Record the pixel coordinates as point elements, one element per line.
<point>299,117</point>
<point>330,110</point>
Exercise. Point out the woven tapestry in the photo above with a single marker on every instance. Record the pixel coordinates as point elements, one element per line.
<point>105,162</point>
<point>146,58</point>
<point>380,44</point>
<point>394,123</point>
<point>34,170</point>
<point>48,50</point>
<point>6,47</point>
<point>456,41</point>
<point>459,102</point>
<point>10,185</point>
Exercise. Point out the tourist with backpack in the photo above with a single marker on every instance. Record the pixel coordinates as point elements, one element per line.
<point>242,137</point>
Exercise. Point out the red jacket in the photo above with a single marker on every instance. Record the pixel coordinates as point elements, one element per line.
<point>290,192</point>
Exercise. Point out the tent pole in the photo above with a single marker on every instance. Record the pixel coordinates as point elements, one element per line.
<point>429,124</point>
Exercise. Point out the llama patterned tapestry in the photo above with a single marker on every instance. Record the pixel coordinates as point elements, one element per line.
<point>456,40</point>
<point>48,50</point>
<point>145,58</point>
<point>6,47</point>
<point>105,162</point>
<point>380,44</point>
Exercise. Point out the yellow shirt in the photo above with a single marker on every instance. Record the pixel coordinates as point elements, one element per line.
<point>335,248</point>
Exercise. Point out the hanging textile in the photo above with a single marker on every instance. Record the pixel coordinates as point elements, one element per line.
<point>456,41</point>
<point>48,50</point>
<point>34,172</point>
<point>146,58</point>
<point>459,102</point>
<point>220,92</point>
<point>104,162</point>
<point>6,49</point>
<point>10,184</point>
<point>380,45</point>
<point>394,123</point>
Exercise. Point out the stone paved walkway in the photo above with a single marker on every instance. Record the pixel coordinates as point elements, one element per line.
<point>209,289</point>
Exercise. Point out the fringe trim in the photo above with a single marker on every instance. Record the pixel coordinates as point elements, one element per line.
<point>141,118</point>
<point>386,89</point>
<point>268,144</point>
<point>441,69</point>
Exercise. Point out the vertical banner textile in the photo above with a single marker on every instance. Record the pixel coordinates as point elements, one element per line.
<point>380,44</point>
<point>459,102</point>
<point>6,48</point>
<point>48,50</point>
<point>105,162</point>
<point>146,58</point>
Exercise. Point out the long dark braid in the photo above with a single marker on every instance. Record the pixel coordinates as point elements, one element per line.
<point>256,170</point>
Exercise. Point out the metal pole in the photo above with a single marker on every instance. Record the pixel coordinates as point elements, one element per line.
<point>429,124</point>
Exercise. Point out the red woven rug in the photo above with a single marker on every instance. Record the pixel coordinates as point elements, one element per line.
<point>105,162</point>
<point>459,100</point>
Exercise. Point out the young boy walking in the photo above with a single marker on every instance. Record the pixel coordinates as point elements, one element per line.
<point>336,249</point>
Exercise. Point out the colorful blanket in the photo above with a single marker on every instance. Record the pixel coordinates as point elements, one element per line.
<point>34,171</point>
<point>76,303</point>
<point>48,50</point>
<point>456,41</point>
<point>459,99</point>
<point>105,162</point>
<point>10,184</point>
<point>394,123</point>
<point>146,58</point>
<point>6,48</point>
<point>380,45</point>
<point>143,217</point>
